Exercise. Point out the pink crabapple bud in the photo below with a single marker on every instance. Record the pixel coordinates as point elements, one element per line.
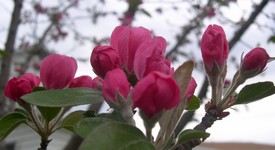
<point>190,90</point>
<point>214,48</point>
<point>126,40</point>
<point>115,82</point>
<point>17,87</point>
<point>256,58</point>
<point>150,57</point>
<point>104,59</point>
<point>254,62</point>
<point>57,71</point>
<point>86,81</point>
<point>155,93</point>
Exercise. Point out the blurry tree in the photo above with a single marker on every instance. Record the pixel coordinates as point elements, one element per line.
<point>44,24</point>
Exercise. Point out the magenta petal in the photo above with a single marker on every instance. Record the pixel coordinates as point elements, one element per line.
<point>126,40</point>
<point>86,82</point>
<point>82,81</point>
<point>32,78</point>
<point>116,35</point>
<point>150,57</point>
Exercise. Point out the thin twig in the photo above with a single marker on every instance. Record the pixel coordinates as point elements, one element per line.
<point>39,46</point>
<point>9,48</point>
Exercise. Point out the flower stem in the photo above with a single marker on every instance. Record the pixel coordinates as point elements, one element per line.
<point>237,81</point>
<point>214,94</point>
<point>149,135</point>
<point>36,122</point>
<point>52,127</point>
<point>44,143</point>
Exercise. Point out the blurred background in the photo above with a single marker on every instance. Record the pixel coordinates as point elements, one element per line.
<point>33,29</point>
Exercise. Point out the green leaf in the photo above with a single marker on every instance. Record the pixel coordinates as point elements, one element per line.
<point>145,12</point>
<point>72,119</point>
<point>183,75</point>
<point>194,103</point>
<point>49,113</point>
<point>104,134</point>
<point>254,92</point>
<point>85,126</point>
<point>191,134</point>
<point>170,118</point>
<point>170,142</point>
<point>36,89</point>
<point>133,4</point>
<point>89,113</point>
<point>23,112</point>
<point>9,122</point>
<point>115,115</point>
<point>64,97</point>
<point>3,53</point>
<point>271,39</point>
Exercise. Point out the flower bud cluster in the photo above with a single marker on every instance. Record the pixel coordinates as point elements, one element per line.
<point>132,68</point>
<point>214,49</point>
<point>56,72</point>
<point>134,73</point>
<point>134,65</point>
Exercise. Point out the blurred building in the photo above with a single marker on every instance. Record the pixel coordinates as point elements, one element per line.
<point>24,138</point>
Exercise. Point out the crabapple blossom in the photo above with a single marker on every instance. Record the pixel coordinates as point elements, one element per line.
<point>57,71</point>
<point>150,57</point>
<point>254,62</point>
<point>104,59</point>
<point>214,47</point>
<point>17,87</point>
<point>115,82</point>
<point>155,93</point>
<point>126,40</point>
<point>85,81</point>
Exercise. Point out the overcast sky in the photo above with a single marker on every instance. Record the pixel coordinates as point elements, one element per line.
<point>252,123</point>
